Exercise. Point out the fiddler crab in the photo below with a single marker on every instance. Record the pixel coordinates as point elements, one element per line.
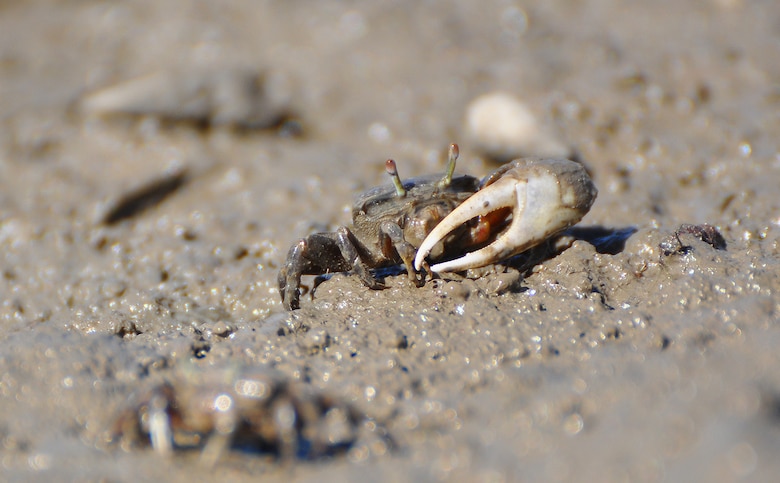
<point>251,411</point>
<point>457,223</point>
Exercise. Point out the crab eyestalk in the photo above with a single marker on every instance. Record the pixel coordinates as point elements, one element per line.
<point>452,156</point>
<point>392,170</point>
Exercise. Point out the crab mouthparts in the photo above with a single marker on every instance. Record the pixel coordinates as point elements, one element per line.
<point>541,206</point>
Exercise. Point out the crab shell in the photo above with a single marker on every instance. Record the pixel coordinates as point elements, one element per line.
<point>534,198</point>
<point>424,205</point>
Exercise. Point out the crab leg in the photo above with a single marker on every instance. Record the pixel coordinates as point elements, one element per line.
<point>545,196</point>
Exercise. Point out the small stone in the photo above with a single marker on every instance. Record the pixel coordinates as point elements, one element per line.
<point>504,282</point>
<point>457,290</point>
<point>505,128</point>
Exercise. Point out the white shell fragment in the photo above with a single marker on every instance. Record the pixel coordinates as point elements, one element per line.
<point>505,128</point>
<point>218,96</point>
<point>545,195</point>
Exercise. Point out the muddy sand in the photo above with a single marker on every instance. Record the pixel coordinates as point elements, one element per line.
<point>158,159</point>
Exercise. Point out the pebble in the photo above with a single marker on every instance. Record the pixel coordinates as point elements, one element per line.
<point>504,128</point>
<point>504,282</point>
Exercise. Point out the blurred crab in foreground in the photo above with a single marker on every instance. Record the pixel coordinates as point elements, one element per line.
<point>251,411</point>
<point>457,223</point>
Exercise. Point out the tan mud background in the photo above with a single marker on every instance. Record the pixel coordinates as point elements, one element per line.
<point>611,361</point>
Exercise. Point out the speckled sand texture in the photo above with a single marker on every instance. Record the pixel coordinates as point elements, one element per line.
<point>140,242</point>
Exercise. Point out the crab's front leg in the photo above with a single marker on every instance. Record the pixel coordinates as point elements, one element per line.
<point>317,254</point>
<point>536,198</point>
<point>404,249</point>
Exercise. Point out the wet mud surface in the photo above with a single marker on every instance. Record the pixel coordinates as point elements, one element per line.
<point>142,228</point>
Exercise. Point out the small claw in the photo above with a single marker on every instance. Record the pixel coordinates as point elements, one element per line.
<point>545,196</point>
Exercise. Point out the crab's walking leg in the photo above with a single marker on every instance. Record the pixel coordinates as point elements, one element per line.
<point>160,425</point>
<point>405,250</point>
<point>290,276</point>
<point>321,253</point>
<point>349,252</point>
<point>545,196</point>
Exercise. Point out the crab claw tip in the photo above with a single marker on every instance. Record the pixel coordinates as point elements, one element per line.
<point>546,196</point>
<point>502,194</point>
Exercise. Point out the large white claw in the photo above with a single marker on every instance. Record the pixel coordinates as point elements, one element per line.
<point>545,195</point>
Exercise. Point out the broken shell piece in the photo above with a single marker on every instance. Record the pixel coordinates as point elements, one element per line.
<point>132,203</point>
<point>216,96</point>
<point>505,128</point>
